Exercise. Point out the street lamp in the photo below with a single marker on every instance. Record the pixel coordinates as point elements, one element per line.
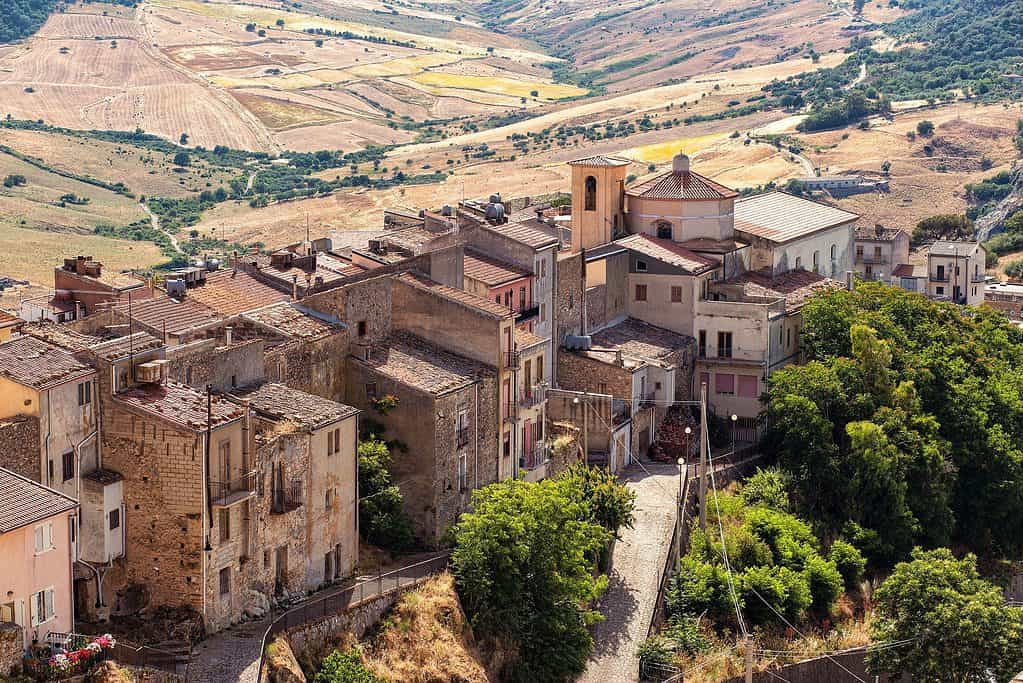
<point>735,418</point>
<point>678,515</point>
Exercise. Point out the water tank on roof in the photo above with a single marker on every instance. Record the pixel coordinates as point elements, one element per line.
<point>495,198</point>
<point>495,212</point>
<point>446,210</point>
<point>175,288</point>
<point>212,264</point>
<point>577,342</point>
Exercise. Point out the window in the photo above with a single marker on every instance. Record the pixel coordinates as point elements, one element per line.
<point>591,194</point>
<point>328,565</point>
<point>748,386</point>
<point>522,298</point>
<point>641,266</point>
<point>328,499</point>
<point>85,393</point>
<point>361,328</point>
<point>703,343</point>
<point>371,390</point>
<point>539,369</point>
<point>115,520</point>
<point>42,607</point>
<point>266,559</point>
<point>724,383</point>
<point>724,344</point>
<point>543,312</point>
<point>334,441</point>
<point>816,261</point>
<point>788,338</point>
<point>941,291</point>
<point>834,252</point>
<point>225,581</point>
<point>337,561</point>
<point>664,230</point>
<point>68,462</point>
<point>640,292</point>
<point>224,521</point>
<point>337,440</point>
<point>234,381</point>
<point>49,471</point>
<point>44,538</point>
<point>507,444</point>
<point>676,295</point>
<point>462,472</point>
<point>799,262</point>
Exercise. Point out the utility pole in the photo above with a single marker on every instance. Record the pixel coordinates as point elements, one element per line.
<point>749,658</point>
<point>704,445</point>
<point>586,439</point>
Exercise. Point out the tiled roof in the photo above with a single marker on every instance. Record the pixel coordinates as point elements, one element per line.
<point>681,185</point>
<point>60,335</point>
<point>489,270</point>
<point>163,312</point>
<point>600,160</point>
<point>179,404</point>
<point>230,292</point>
<point>781,217</point>
<point>795,286</point>
<point>414,362</point>
<point>669,252</point>
<point>949,248</point>
<point>34,363</point>
<point>456,295</point>
<point>284,403</point>
<point>525,339</point>
<point>878,233</point>
<point>296,321</point>
<point>910,270</point>
<point>531,232</point>
<point>26,502</point>
<point>411,238</point>
<point>113,349</point>
<point>637,339</point>
<point>9,320</point>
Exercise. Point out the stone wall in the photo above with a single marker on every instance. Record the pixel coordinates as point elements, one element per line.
<point>366,301</point>
<point>569,303</point>
<point>11,639</point>
<point>314,366</point>
<point>578,372</point>
<point>19,445</point>
<point>207,361</point>
<point>823,669</point>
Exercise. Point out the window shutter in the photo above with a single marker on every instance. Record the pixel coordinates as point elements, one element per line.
<point>34,609</point>
<point>48,603</point>
<point>39,539</point>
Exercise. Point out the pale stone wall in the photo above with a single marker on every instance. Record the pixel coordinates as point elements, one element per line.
<point>11,641</point>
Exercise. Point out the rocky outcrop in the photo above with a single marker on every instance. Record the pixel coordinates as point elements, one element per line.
<point>992,223</point>
<point>281,664</point>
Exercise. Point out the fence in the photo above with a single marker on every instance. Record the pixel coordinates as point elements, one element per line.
<point>122,652</point>
<point>343,599</point>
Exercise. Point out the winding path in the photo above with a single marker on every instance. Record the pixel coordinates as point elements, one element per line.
<point>155,221</point>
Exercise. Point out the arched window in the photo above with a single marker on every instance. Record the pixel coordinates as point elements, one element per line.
<point>664,230</point>
<point>816,261</point>
<point>591,194</point>
<point>834,253</point>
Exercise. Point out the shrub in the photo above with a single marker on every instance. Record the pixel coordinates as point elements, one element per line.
<point>768,488</point>
<point>825,582</point>
<point>850,563</point>
<point>345,667</point>
<point>925,128</point>
<point>1014,269</point>
<point>760,585</point>
<point>698,588</point>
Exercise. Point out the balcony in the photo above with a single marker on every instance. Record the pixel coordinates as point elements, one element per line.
<point>462,437</point>
<point>225,493</point>
<point>939,277</point>
<point>872,259</point>
<point>532,397</point>
<point>535,457</point>
<point>286,499</point>
<point>509,412</point>
<point>528,310</point>
<point>510,360</point>
<point>647,400</point>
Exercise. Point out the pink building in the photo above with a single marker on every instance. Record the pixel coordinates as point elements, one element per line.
<point>503,283</point>
<point>37,540</point>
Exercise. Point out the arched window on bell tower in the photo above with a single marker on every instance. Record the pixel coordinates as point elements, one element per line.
<point>591,194</point>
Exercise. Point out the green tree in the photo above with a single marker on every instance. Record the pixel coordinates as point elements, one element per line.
<point>345,667</point>
<point>957,624</point>
<point>925,128</point>
<point>523,564</point>
<point>382,520</point>
<point>182,159</point>
<point>850,563</point>
<point>610,504</point>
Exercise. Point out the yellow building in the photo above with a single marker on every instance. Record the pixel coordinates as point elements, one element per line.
<point>9,325</point>
<point>598,200</point>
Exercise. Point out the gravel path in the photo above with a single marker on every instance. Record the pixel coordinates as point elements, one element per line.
<point>636,566</point>
<point>231,655</point>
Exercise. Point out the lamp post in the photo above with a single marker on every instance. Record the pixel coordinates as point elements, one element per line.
<point>678,517</point>
<point>735,418</point>
<point>689,431</point>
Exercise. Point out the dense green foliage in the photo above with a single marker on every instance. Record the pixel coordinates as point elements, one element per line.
<point>778,564</point>
<point>345,667</point>
<point>382,521</point>
<point>958,625</point>
<point>904,427</point>
<point>1009,241</point>
<point>524,564</point>
<point>984,195</point>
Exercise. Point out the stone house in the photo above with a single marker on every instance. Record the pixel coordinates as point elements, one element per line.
<point>37,538</point>
<point>1006,297</point>
<point>81,287</point>
<point>446,422</point>
<point>880,251</point>
<point>956,272</point>
<point>305,514</point>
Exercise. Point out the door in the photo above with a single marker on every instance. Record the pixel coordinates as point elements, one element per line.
<point>527,443</point>
<point>280,569</point>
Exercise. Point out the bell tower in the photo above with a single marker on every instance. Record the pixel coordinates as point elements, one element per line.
<point>598,200</point>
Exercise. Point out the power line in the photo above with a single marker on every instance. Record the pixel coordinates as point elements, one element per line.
<point>724,549</point>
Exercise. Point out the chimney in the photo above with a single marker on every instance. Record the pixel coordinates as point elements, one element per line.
<point>228,333</point>
<point>680,164</point>
<point>850,282</point>
<point>878,229</point>
<point>294,287</point>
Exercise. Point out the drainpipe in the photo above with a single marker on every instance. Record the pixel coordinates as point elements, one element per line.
<point>49,432</point>
<point>476,435</point>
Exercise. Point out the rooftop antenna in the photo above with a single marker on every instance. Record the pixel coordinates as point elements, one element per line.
<point>307,227</point>
<point>131,345</point>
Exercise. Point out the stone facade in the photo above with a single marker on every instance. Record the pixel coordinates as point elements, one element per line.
<point>19,445</point>
<point>209,362</point>
<point>11,639</point>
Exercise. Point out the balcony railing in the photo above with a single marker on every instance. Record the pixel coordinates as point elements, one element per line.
<point>462,437</point>
<point>529,310</point>
<point>224,493</point>
<point>871,259</point>
<point>286,499</point>
<point>532,397</point>
<point>939,277</point>
<point>647,400</point>
<point>535,456</point>
<point>511,359</point>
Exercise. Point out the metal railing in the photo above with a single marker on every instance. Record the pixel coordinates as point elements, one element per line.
<point>529,310</point>
<point>531,396</point>
<point>939,277</point>
<point>228,492</point>
<point>874,260</point>
<point>511,359</point>
<point>287,498</point>
<point>340,600</point>
<point>647,400</point>
<point>535,457</point>
<point>124,652</point>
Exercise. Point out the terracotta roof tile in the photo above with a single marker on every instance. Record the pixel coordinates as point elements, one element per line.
<point>878,233</point>
<point>163,312</point>
<point>34,363</point>
<point>9,320</point>
<point>26,502</point>
<point>637,340</point>
<point>525,339</point>
<point>669,252</point>
<point>600,160</point>
<point>230,292</point>
<point>60,335</point>
<point>120,347</point>
<point>781,217</point>
<point>285,403</point>
<point>684,185</point>
<point>488,270</point>
<point>795,286</point>
<point>295,321</point>
<point>458,296</point>
<point>407,359</point>
<point>179,404</point>
<point>531,232</point>
<point>953,248</point>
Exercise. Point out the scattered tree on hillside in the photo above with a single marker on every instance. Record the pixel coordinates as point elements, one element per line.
<point>183,140</point>
<point>957,625</point>
<point>943,227</point>
<point>182,159</point>
<point>925,129</point>
<point>15,180</point>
